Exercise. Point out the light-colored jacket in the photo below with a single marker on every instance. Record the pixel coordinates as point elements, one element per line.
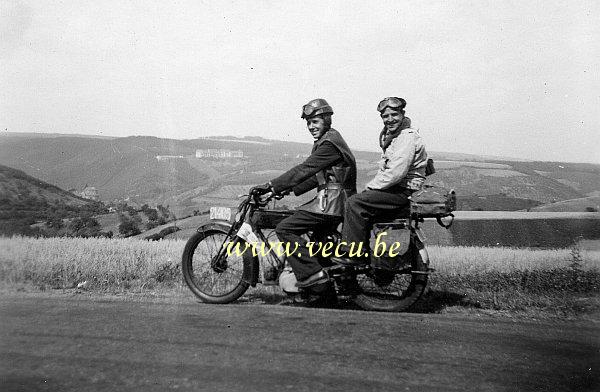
<point>402,163</point>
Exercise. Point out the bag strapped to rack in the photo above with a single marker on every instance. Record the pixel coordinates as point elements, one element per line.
<point>434,202</point>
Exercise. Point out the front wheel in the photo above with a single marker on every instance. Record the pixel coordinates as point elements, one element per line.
<point>388,291</point>
<point>213,275</point>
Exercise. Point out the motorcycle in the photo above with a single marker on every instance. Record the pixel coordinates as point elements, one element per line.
<point>229,254</point>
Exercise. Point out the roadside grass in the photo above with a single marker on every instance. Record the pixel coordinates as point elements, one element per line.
<point>102,263</point>
<point>563,282</point>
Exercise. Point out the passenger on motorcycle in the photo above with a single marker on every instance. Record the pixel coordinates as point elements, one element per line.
<point>331,168</point>
<point>401,172</point>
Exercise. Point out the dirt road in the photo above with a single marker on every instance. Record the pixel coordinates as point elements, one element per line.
<point>63,344</point>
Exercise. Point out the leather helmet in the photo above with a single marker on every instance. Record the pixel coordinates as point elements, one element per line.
<point>316,107</point>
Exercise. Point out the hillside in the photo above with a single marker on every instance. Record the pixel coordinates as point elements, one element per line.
<point>118,168</point>
<point>128,168</point>
<point>517,180</point>
<point>25,200</point>
<point>500,202</point>
<point>21,194</point>
<point>589,204</point>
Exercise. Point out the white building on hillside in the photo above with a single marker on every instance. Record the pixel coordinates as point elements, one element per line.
<point>219,153</point>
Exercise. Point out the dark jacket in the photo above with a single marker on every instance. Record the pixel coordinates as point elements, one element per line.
<point>331,168</point>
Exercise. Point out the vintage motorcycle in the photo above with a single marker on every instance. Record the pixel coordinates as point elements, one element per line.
<point>216,274</point>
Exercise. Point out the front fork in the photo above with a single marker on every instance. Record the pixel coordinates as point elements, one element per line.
<point>219,262</point>
<point>251,262</point>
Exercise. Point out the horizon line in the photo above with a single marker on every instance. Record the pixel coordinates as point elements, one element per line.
<point>80,135</point>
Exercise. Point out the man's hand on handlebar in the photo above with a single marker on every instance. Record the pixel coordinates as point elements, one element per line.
<point>266,192</point>
<point>281,195</point>
<point>272,195</point>
<point>262,189</point>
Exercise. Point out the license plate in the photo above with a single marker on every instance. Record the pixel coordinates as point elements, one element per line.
<point>220,213</point>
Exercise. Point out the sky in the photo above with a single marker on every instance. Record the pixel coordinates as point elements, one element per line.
<point>518,79</point>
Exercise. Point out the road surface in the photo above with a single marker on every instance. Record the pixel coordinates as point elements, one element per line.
<point>68,344</point>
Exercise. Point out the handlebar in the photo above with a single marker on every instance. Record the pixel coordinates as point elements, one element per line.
<point>264,198</point>
<point>260,199</point>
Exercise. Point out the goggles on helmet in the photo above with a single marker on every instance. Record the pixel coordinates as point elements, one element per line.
<point>310,111</point>
<point>391,102</point>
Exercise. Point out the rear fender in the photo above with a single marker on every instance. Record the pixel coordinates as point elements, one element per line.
<point>251,264</point>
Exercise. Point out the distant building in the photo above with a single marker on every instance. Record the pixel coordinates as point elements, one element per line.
<point>219,153</point>
<point>168,157</point>
<point>89,192</point>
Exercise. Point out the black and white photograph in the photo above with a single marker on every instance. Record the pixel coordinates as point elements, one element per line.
<point>260,195</point>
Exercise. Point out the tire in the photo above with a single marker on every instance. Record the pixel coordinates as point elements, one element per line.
<point>393,292</point>
<point>208,283</point>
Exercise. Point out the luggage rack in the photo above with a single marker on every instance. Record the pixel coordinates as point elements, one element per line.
<point>406,213</point>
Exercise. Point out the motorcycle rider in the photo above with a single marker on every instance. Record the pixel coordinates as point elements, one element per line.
<point>331,168</point>
<point>401,172</point>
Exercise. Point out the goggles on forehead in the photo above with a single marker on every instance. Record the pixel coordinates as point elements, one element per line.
<point>391,102</point>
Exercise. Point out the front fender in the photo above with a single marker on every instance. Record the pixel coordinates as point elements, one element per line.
<point>214,225</point>
<point>251,263</point>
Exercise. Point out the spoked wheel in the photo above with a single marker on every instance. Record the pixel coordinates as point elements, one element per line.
<point>213,278</point>
<point>388,291</point>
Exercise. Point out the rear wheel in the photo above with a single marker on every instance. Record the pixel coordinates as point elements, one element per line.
<point>389,291</point>
<point>213,279</point>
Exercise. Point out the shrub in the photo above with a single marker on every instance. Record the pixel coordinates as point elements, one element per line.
<point>84,226</point>
<point>162,234</point>
<point>128,226</point>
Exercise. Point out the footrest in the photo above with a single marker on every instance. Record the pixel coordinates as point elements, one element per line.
<point>429,271</point>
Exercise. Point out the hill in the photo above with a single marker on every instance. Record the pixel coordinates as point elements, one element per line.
<point>118,168</point>
<point>589,204</point>
<point>500,202</point>
<point>167,171</point>
<point>22,194</point>
<point>25,199</point>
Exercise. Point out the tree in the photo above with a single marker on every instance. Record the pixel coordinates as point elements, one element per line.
<point>151,224</point>
<point>128,226</point>
<point>151,213</point>
<point>164,211</point>
<point>55,222</point>
<point>84,226</point>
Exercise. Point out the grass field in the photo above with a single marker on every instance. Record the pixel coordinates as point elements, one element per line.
<point>561,280</point>
<point>104,263</point>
